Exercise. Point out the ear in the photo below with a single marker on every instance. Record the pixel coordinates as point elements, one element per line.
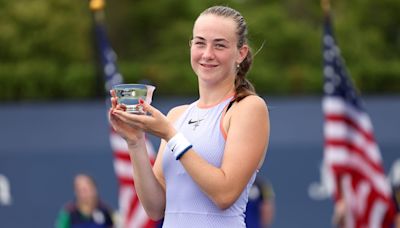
<point>243,51</point>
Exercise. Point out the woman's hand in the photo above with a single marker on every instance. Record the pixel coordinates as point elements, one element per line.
<point>155,123</point>
<point>130,133</point>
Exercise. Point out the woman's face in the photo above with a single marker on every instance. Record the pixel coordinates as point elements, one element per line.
<point>85,190</point>
<point>214,53</point>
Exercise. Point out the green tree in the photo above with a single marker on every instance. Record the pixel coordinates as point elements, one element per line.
<point>47,46</point>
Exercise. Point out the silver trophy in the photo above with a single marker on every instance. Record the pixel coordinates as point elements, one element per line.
<point>129,95</point>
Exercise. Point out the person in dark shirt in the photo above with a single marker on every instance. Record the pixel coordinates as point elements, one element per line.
<point>395,182</point>
<point>87,210</point>
<point>261,205</point>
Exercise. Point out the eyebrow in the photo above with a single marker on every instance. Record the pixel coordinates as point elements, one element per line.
<point>215,40</point>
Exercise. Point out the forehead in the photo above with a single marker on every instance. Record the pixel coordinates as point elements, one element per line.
<point>82,181</point>
<point>214,27</point>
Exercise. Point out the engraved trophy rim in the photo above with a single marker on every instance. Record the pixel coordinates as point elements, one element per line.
<point>132,85</point>
<point>127,96</point>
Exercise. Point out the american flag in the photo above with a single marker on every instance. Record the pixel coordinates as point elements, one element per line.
<point>351,153</point>
<point>132,214</point>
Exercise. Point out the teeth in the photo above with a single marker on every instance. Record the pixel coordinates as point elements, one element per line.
<point>208,65</point>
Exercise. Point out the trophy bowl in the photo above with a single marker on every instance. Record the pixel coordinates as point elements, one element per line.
<point>129,95</point>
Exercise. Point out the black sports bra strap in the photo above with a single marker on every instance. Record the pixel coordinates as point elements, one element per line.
<point>230,105</point>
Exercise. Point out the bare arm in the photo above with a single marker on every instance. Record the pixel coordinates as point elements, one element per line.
<point>149,181</point>
<point>157,168</point>
<point>148,188</point>
<point>149,192</point>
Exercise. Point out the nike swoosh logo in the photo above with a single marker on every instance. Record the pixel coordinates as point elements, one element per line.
<point>194,121</point>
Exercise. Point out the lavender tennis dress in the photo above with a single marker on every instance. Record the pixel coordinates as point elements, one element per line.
<point>186,205</point>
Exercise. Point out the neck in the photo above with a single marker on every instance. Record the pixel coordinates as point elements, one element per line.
<point>86,208</point>
<point>212,95</point>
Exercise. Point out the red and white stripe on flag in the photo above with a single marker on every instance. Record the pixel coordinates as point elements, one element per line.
<point>353,157</point>
<point>132,214</point>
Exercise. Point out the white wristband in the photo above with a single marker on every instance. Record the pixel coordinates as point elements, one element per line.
<point>178,145</point>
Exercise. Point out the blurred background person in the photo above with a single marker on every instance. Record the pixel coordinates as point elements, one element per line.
<point>260,209</point>
<point>86,210</point>
<point>395,181</point>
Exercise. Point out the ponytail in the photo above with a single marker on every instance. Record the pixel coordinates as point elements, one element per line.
<point>243,86</point>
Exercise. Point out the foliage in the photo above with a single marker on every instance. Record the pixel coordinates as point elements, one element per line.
<point>47,46</point>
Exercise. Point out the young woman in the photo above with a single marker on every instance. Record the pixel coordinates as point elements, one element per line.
<point>87,210</point>
<point>211,149</point>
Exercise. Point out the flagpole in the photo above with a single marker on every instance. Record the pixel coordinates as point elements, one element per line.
<point>97,14</point>
<point>97,7</point>
<point>326,6</point>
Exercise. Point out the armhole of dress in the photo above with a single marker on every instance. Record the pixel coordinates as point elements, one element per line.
<point>221,125</point>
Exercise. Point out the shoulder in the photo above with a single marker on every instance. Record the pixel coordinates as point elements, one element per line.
<point>70,207</point>
<point>250,105</point>
<point>250,114</point>
<point>253,100</point>
<point>176,112</point>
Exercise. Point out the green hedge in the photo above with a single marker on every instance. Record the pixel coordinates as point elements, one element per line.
<point>48,52</point>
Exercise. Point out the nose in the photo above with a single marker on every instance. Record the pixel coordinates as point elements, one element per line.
<point>208,53</point>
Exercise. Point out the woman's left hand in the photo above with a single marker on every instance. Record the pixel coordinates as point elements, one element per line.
<point>155,123</point>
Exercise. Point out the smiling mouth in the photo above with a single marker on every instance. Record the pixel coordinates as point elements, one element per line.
<point>208,65</point>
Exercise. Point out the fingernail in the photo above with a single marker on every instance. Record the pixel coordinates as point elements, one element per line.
<point>141,101</point>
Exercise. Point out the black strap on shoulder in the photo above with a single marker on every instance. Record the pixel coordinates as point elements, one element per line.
<point>230,105</point>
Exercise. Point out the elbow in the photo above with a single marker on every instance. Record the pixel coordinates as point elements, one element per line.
<point>155,215</point>
<point>225,200</point>
<point>154,211</point>
<point>224,205</point>
<point>154,207</point>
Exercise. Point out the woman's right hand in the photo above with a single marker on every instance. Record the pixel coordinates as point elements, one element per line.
<point>131,134</point>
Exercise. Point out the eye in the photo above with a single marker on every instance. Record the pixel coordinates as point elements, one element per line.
<point>199,43</point>
<point>220,46</point>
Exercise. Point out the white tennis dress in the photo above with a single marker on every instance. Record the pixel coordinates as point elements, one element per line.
<point>186,205</point>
